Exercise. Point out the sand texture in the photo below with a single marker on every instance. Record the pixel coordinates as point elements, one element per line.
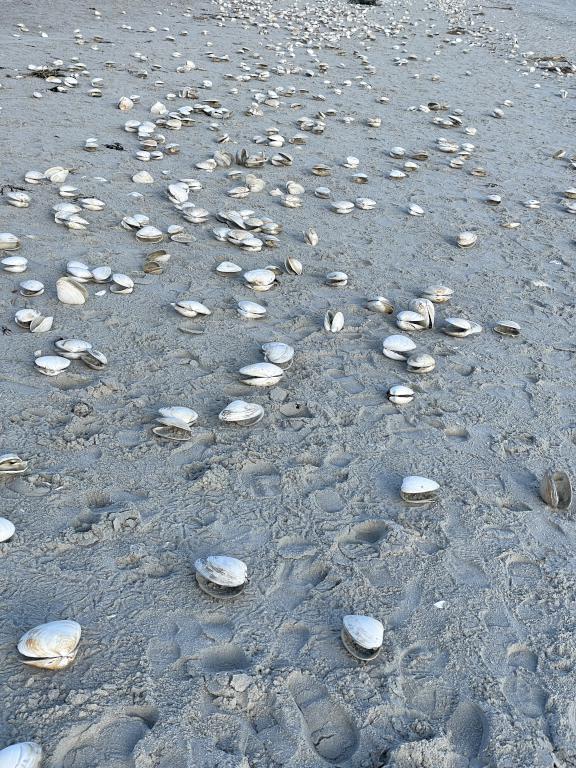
<point>476,591</point>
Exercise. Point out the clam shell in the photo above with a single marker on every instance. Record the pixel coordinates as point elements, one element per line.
<point>418,490</point>
<point>101,274</point>
<point>149,234</point>
<point>399,394</point>
<point>261,374</point>
<point>14,264</point>
<point>7,530</point>
<point>221,576</point>
<point>411,321</point>
<point>438,294</point>
<point>398,346</point>
<point>228,268</point>
<point>52,645</point>
<point>51,365</point>
<point>251,310</point>
<point>72,348</point>
<point>41,324</point>
<point>380,304</point>
<point>425,308</point>
<point>507,328</point>
<point>259,277</point>
<point>8,241</point>
<point>70,291</point>
<point>293,266</point>
<point>12,464</point>
<point>278,353</point>
<point>556,489</point>
<point>190,308</point>
<point>26,754</point>
<point>362,636</point>
<point>467,239</point>
<point>24,317</point>
<point>31,288</point>
<point>94,359</point>
<point>241,412</point>
<point>337,279</point>
<point>180,412</point>
<point>420,363</point>
<point>173,431</point>
<point>333,321</point>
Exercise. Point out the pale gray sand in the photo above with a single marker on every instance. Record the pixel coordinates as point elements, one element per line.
<point>476,592</point>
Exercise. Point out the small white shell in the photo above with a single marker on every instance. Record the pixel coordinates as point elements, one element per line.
<point>12,464</point>
<point>241,412</point>
<point>51,365</point>
<point>278,353</point>
<point>507,328</point>
<point>260,277</point>
<point>52,645</point>
<point>425,308</point>
<point>70,291</point>
<point>420,363</point>
<point>439,294</point>
<point>333,321</point>
<point>31,288</point>
<point>24,317</point>
<point>7,530</point>
<point>292,265</point>
<point>366,634</point>
<point>221,576</point>
<point>398,346</point>
<point>251,310</point>
<point>380,304</point>
<point>418,490</point>
<point>408,320</point>
<point>121,283</point>
<point>180,413</point>
<point>228,268</point>
<point>399,394</point>
<point>337,279</point>
<point>26,754</point>
<point>467,239</point>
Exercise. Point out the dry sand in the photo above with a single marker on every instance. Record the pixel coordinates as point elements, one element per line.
<point>476,592</point>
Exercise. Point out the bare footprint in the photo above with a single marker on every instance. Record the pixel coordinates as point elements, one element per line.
<point>330,730</point>
<point>468,730</point>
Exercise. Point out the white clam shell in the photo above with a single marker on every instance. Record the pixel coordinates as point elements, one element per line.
<point>31,287</point>
<point>251,310</point>
<point>400,394</point>
<point>408,320</point>
<point>241,412</point>
<point>70,291</point>
<point>366,631</point>
<point>261,374</point>
<point>52,645</point>
<point>179,412</point>
<point>260,277</point>
<point>24,317</point>
<point>277,352</point>
<point>26,754</point>
<point>420,363</point>
<point>7,529</point>
<point>228,268</point>
<point>14,264</point>
<point>51,365</point>
<point>72,348</point>
<point>222,570</point>
<point>12,464</point>
<point>41,324</point>
<point>8,241</point>
<point>398,346</point>
<point>418,490</point>
<point>190,308</point>
<point>333,321</point>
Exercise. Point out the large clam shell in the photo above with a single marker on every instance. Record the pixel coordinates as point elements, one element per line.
<point>556,489</point>
<point>241,412</point>
<point>261,374</point>
<point>70,291</point>
<point>398,346</point>
<point>26,754</point>
<point>51,365</point>
<point>251,310</point>
<point>8,241</point>
<point>278,353</point>
<point>52,645</point>
<point>418,490</point>
<point>12,464</point>
<point>190,308</point>
<point>421,363</point>
<point>425,308</point>
<point>221,576</point>
<point>362,636</point>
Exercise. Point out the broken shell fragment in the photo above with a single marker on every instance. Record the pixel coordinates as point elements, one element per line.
<point>261,374</point>
<point>221,576</point>
<point>398,346</point>
<point>556,489</point>
<point>52,645</point>
<point>7,530</point>
<point>399,394</point>
<point>12,464</point>
<point>362,636</point>
<point>241,412</point>
<point>507,328</point>
<point>70,291</point>
<point>333,321</point>
<point>418,490</point>
<point>421,363</point>
<point>26,754</point>
<point>51,365</point>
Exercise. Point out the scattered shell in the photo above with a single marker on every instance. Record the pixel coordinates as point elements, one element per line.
<point>459,327</point>
<point>311,236</point>
<point>7,530</point>
<point>228,268</point>
<point>121,283</point>
<point>507,328</point>
<point>241,412</point>
<point>12,464</point>
<point>14,264</point>
<point>438,294</point>
<point>72,349</point>
<point>342,206</point>
<point>293,266</point>
<point>70,291</point>
<point>362,636</point>
<point>278,353</point>
<point>415,210</point>
<point>398,347</point>
<point>333,321</point>
<point>260,279</point>
<point>18,199</point>
<point>26,754</point>
<point>261,374</point>
<point>190,308</point>
<point>251,310</point>
<point>407,320</point>
<point>94,359</point>
<point>418,490</point>
<point>221,576</point>
<point>425,308</point>
<point>380,304</point>
<point>467,239</point>
<point>337,279</point>
<point>52,645</point>
<point>31,288</point>
<point>556,489</point>
<point>51,365</point>
<point>399,394</point>
<point>8,242</point>
<point>420,363</point>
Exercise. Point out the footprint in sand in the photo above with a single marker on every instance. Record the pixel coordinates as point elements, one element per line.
<point>109,742</point>
<point>329,729</point>
<point>468,730</point>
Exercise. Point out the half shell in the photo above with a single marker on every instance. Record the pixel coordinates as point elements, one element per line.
<point>52,645</point>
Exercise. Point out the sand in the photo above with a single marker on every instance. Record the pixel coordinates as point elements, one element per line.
<point>476,592</point>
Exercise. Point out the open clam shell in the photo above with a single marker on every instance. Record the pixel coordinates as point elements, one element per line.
<point>261,374</point>
<point>94,359</point>
<point>399,394</point>
<point>407,320</point>
<point>380,304</point>
<point>241,412</point>
<point>507,328</point>
<point>190,308</point>
<point>438,294</point>
<point>73,349</point>
<point>398,346</point>
<point>221,576</point>
<point>278,353</point>
<point>418,490</point>
<point>333,321</point>
<point>12,464</point>
<point>26,754</point>
<point>52,645</point>
<point>425,308</point>
<point>362,636</point>
<point>51,365</point>
<point>251,310</point>
<point>421,363</point>
<point>556,489</point>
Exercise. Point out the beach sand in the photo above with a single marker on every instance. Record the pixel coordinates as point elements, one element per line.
<point>477,591</point>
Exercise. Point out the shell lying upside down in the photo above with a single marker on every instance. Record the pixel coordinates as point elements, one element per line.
<point>52,645</point>
<point>26,754</point>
